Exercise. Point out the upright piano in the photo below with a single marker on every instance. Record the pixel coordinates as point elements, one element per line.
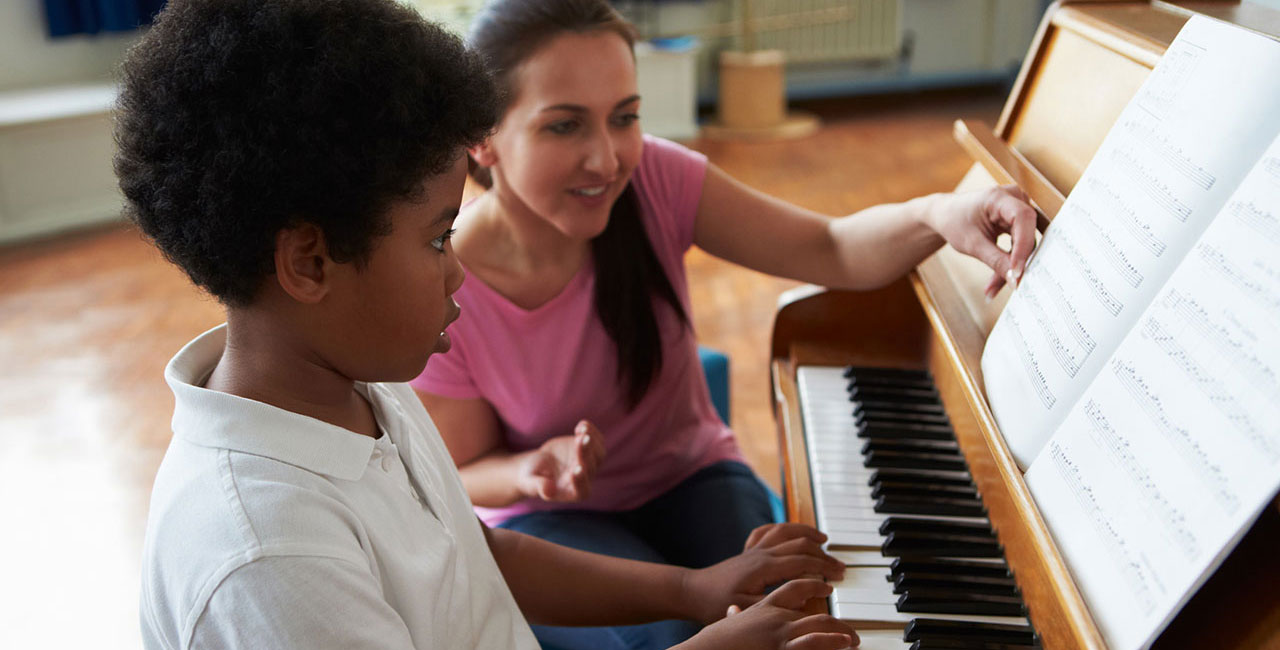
<point>918,343</point>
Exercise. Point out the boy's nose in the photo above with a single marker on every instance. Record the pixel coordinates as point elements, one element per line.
<point>454,273</point>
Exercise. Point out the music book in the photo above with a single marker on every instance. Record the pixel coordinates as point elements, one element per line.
<point>1135,372</point>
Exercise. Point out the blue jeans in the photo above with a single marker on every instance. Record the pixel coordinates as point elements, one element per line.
<point>701,521</point>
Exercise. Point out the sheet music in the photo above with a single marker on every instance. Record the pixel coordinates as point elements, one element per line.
<point>1174,449</point>
<point>1175,154</point>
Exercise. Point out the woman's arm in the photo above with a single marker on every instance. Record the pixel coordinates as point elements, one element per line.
<point>494,476</point>
<point>867,249</point>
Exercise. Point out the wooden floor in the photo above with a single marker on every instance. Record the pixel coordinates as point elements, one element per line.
<point>88,321</point>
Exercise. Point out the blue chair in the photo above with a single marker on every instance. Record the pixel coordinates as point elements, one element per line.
<point>715,365</point>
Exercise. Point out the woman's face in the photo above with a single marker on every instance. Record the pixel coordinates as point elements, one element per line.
<point>567,145</point>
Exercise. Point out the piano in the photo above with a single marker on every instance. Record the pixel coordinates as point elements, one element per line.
<point>945,544</point>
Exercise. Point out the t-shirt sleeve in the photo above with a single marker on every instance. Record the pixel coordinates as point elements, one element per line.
<point>449,374</point>
<point>670,179</point>
<point>299,602</point>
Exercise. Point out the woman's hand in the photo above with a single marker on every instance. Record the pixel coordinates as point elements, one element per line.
<point>561,469</point>
<point>778,622</point>
<point>774,553</point>
<point>972,221</point>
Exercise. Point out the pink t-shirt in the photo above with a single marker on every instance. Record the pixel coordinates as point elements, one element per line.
<point>544,369</point>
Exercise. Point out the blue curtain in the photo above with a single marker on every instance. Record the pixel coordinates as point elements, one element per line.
<point>67,17</point>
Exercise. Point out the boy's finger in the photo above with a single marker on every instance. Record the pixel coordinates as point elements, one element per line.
<point>798,546</point>
<point>823,641</point>
<point>820,624</point>
<point>756,535</point>
<point>773,534</point>
<point>795,593</point>
<point>791,567</point>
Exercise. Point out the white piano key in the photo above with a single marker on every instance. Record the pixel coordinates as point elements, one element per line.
<point>882,640</point>
<point>865,594</point>
<point>852,557</point>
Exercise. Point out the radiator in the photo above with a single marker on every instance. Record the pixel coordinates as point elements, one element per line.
<point>826,30</point>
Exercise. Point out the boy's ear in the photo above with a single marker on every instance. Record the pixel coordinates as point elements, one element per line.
<point>302,261</point>
<point>483,154</point>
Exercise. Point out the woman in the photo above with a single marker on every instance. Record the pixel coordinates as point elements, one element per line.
<point>577,357</point>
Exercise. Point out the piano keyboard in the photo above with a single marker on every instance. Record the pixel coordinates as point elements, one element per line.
<point>893,494</point>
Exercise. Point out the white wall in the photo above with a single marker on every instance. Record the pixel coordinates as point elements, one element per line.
<point>29,58</point>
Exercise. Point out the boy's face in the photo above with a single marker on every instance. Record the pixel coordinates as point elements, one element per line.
<point>385,319</point>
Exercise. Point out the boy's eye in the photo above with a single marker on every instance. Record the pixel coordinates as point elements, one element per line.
<point>626,119</point>
<point>439,242</point>
<point>562,127</point>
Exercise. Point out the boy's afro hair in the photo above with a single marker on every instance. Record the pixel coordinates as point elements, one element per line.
<point>238,118</point>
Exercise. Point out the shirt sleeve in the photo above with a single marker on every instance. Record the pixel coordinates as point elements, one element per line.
<point>670,178</point>
<point>299,602</point>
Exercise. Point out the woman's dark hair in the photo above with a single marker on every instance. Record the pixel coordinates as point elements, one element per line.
<point>238,118</point>
<point>628,273</point>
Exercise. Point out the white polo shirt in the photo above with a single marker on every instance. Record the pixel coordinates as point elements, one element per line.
<point>270,529</point>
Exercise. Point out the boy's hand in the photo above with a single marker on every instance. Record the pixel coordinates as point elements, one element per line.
<point>561,469</point>
<point>778,623</point>
<point>774,553</point>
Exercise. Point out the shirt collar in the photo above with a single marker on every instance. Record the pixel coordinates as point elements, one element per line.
<point>213,419</point>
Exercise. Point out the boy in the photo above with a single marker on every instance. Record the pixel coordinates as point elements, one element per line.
<point>302,161</point>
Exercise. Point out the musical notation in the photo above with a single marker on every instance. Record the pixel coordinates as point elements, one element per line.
<point>1031,366</point>
<point>1151,184</point>
<point>1065,357</point>
<point>1114,204</point>
<point>1117,449</point>
<point>1271,166</point>
<point>1182,440</point>
<point>1212,475</point>
<point>1069,315</point>
<point>1159,96</point>
<point>1255,290</point>
<point>1236,343</point>
<point>1257,218</point>
<point>1111,539</point>
<point>1112,253</point>
<point>1171,153</point>
<point>1099,288</point>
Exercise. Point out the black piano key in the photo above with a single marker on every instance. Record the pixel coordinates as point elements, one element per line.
<point>932,643</point>
<point>888,405</point>
<point>902,566</point>
<point>926,601</point>
<point>972,584</point>
<point>929,507</point>
<point>863,416</point>
<point>921,476</point>
<point>895,430</point>
<point>889,488</point>
<point>922,628</point>
<point>907,460</point>
<point>941,526</point>
<point>912,545</point>
<point>896,393</point>
<point>912,445</point>
<point>874,372</point>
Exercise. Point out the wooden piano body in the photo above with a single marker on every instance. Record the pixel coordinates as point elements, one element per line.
<point>1088,59</point>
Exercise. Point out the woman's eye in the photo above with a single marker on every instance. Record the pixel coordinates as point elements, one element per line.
<point>439,242</point>
<point>626,120</point>
<point>562,128</point>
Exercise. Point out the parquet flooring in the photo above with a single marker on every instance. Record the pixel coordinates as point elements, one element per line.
<point>88,321</point>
